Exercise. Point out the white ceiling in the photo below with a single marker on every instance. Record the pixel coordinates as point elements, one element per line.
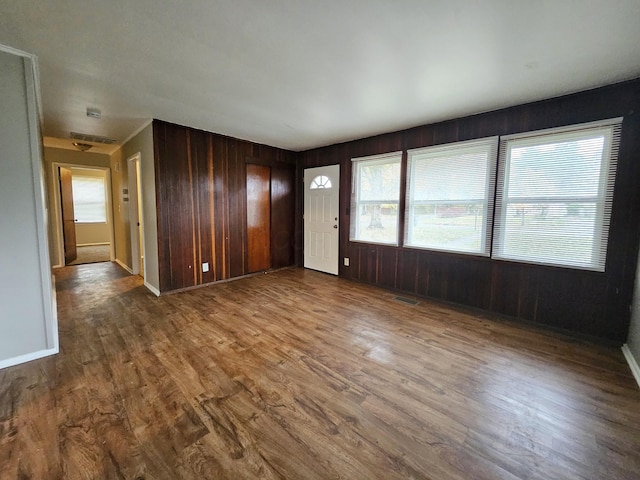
<point>304,73</point>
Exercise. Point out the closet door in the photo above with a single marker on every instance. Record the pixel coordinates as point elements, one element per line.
<point>258,217</point>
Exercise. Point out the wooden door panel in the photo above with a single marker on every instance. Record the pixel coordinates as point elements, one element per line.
<point>68,216</point>
<point>258,217</point>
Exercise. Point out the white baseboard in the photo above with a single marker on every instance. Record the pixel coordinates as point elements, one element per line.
<point>152,289</point>
<point>633,364</point>
<point>119,262</point>
<point>9,362</point>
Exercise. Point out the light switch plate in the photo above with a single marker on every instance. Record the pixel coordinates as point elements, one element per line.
<point>205,267</point>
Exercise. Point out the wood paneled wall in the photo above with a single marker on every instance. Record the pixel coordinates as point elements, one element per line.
<point>202,206</point>
<point>591,303</point>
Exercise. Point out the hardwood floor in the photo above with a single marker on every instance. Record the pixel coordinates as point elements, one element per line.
<point>301,375</point>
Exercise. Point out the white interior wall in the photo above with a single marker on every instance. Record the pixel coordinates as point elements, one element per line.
<point>142,144</point>
<point>28,328</point>
<point>148,182</point>
<point>632,347</point>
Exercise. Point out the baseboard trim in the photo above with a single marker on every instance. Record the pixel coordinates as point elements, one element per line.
<point>227,280</point>
<point>119,262</point>
<point>152,289</point>
<point>633,364</point>
<point>10,362</point>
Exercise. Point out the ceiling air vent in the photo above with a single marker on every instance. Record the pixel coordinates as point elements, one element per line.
<point>85,137</point>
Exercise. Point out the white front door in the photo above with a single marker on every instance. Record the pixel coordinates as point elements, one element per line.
<point>321,227</point>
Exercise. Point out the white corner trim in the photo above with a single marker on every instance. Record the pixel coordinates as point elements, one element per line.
<point>9,362</point>
<point>119,262</point>
<point>15,51</point>
<point>118,146</point>
<point>146,123</point>
<point>633,364</point>
<point>152,289</point>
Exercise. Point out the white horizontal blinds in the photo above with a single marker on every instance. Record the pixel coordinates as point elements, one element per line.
<point>89,205</point>
<point>554,197</point>
<point>375,198</point>
<point>449,203</point>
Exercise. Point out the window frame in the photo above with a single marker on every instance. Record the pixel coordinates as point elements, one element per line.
<point>356,203</point>
<point>320,182</point>
<point>450,149</point>
<point>611,129</point>
<point>75,177</point>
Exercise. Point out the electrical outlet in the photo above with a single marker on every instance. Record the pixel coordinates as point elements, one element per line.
<point>346,261</point>
<point>205,267</point>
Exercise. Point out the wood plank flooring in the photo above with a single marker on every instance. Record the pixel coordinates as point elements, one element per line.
<point>301,375</point>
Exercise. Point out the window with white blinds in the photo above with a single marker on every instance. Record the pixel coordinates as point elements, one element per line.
<point>375,196</point>
<point>89,204</point>
<point>450,196</point>
<point>554,195</point>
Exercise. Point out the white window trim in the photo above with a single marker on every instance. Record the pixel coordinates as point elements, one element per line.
<point>490,185</point>
<point>92,178</point>
<point>609,122</point>
<point>355,195</point>
<point>603,212</point>
<point>316,183</point>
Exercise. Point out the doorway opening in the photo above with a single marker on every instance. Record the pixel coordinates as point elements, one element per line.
<point>136,216</point>
<point>84,230</point>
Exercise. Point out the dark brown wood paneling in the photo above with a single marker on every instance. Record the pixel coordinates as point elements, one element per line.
<point>586,302</point>
<point>176,216</point>
<point>369,256</point>
<point>407,270</point>
<point>282,216</point>
<point>202,181</point>
<point>237,210</point>
<point>221,206</point>
<point>422,280</point>
<point>439,266</point>
<point>387,267</point>
<point>258,217</point>
<point>202,205</point>
<point>464,276</point>
<point>505,294</point>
